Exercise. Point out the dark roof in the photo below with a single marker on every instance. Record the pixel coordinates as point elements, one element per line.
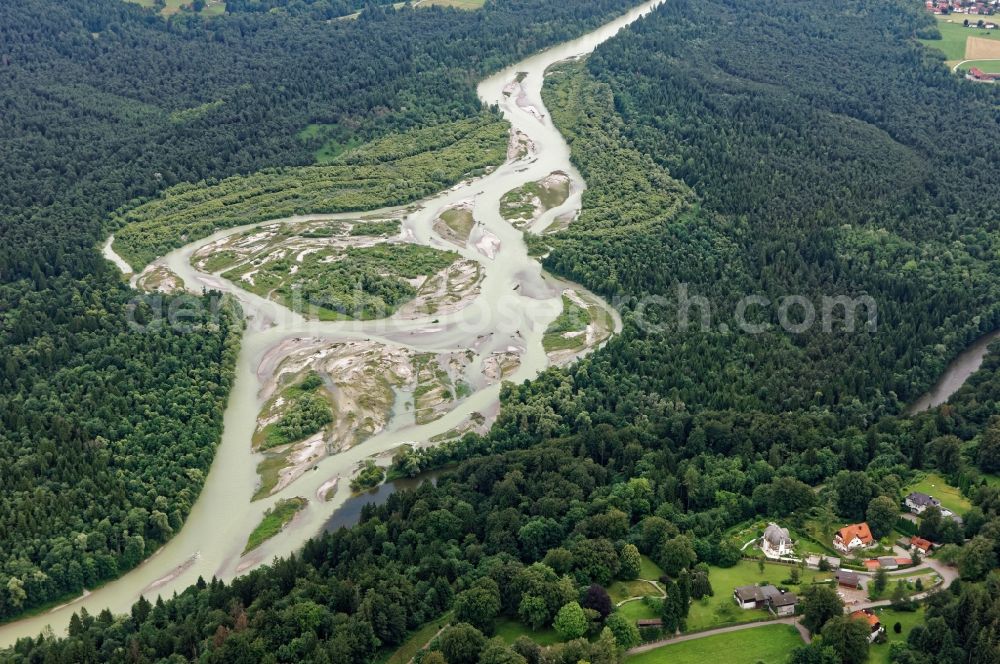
<point>649,622</point>
<point>888,561</point>
<point>747,593</point>
<point>918,498</point>
<point>783,599</point>
<point>848,577</point>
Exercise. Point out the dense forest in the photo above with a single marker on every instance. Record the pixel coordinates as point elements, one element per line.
<point>106,433</point>
<point>316,9</point>
<point>733,149</point>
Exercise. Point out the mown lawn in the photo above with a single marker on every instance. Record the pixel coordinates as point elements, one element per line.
<point>509,630</point>
<point>770,644</point>
<point>649,570</point>
<point>879,654</point>
<point>622,590</point>
<point>637,610</point>
<point>720,609</point>
<point>934,485</point>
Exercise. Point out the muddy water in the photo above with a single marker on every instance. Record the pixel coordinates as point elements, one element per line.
<point>516,305</point>
<point>958,371</point>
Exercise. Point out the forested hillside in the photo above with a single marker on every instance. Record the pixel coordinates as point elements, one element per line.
<point>106,433</point>
<point>732,148</point>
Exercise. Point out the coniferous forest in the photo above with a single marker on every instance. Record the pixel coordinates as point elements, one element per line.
<point>732,148</point>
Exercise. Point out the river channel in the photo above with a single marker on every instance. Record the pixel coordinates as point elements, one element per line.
<point>515,305</point>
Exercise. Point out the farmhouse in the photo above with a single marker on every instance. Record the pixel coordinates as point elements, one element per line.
<point>855,536</point>
<point>917,502</point>
<point>921,545</point>
<point>848,579</point>
<point>874,624</point>
<point>776,542</point>
<point>978,75</point>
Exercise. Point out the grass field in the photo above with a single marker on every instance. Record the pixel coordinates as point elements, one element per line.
<point>458,4</point>
<point>415,642</point>
<point>934,485</point>
<point>274,520</point>
<point>510,630</point>
<point>638,610</point>
<point>171,7</point>
<point>649,570</point>
<point>954,36</point>
<point>879,654</point>
<point>622,590</point>
<point>988,66</point>
<point>720,609</point>
<point>770,644</point>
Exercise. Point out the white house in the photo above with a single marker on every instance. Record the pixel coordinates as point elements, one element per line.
<point>917,502</point>
<point>855,536</point>
<point>776,542</point>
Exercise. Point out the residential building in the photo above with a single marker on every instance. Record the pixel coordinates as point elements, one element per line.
<point>888,562</point>
<point>783,604</point>
<point>754,597</point>
<point>854,536</point>
<point>917,502</point>
<point>977,74</point>
<point>920,544</point>
<point>776,541</point>
<point>848,579</point>
<point>874,624</point>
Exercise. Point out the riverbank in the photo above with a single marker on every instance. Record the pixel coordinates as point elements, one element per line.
<point>514,307</point>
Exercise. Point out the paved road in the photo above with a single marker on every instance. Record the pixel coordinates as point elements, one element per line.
<point>652,645</point>
<point>947,574</point>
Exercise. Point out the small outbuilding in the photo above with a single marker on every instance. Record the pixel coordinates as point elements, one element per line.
<point>848,579</point>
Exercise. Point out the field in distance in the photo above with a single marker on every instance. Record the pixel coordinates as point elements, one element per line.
<point>171,7</point>
<point>955,39</point>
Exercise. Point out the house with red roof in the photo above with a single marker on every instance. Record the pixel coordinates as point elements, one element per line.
<point>920,544</point>
<point>978,75</point>
<point>854,536</point>
<point>874,624</point>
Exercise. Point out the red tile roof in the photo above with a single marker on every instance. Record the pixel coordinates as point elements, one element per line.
<point>872,619</point>
<point>921,543</point>
<point>859,530</point>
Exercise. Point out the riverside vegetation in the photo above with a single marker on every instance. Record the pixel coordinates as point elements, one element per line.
<point>393,170</point>
<point>106,434</point>
<point>659,443</point>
